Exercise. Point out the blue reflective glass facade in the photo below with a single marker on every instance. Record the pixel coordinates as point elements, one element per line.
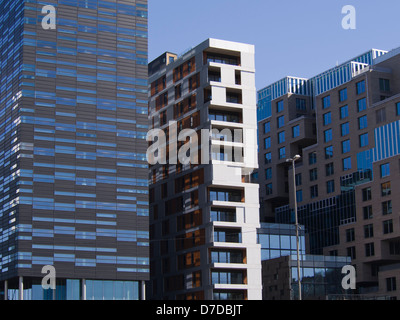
<point>279,240</point>
<point>286,85</point>
<point>73,123</point>
<point>316,85</point>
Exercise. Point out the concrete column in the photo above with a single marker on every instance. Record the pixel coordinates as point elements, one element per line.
<point>21,288</point>
<point>83,283</point>
<point>142,290</point>
<point>6,290</point>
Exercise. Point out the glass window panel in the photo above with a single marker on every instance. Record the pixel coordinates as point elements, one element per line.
<point>308,274</point>
<point>265,254</point>
<point>274,241</point>
<point>129,291</point>
<point>275,253</point>
<point>285,242</point>
<point>98,290</point>
<point>108,290</point>
<point>119,290</point>
<point>89,289</point>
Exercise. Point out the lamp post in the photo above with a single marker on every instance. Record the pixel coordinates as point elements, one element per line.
<point>293,160</point>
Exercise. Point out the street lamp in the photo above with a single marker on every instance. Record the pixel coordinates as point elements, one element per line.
<point>293,160</point>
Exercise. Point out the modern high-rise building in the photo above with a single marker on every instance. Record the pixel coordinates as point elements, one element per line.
<point>74,174</point>
<point>204,213</point>
<point>344,123</point>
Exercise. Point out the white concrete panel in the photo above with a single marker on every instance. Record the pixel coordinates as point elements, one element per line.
<point>248,80</point>
<point>228,76</point>
<point>218,95</point>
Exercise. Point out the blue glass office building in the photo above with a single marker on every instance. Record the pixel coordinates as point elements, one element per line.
<point>73,124</point>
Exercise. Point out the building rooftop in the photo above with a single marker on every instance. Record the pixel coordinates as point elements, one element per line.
<point>321,82</point>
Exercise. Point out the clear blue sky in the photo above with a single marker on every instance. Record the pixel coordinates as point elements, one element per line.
<point>291,37</point>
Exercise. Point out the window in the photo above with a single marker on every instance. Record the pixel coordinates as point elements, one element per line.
<point>268,158</point>
<point>329,152</point>
<point>313,174</point>
<point>296,131</point>
<point>299,195</point>
<point>366,194</point>
<point>350,235</point>
<point>226,256</point>
<point>234,97</point>
<point>367,211</point>
<point>362,104</point>
<point>238,77</point>
<point>384,85</point>
<point>398,109</point>
<point>223,214</point>
<point>227,235</point>
<point>387,226</point>
<point>227,277</point>
<point>360,87</point>
<point>314,191</point>
<point>369,249</point>
<point>267,143</point>
<point>218,295</point>
<point>163,118</point>
<point>346,164</point>
<point>282,153</point>
<point>363,139</point>
<point>345,129</point>
<point>328,135</point>
<point>386,189</point>
<point>380,115</point>
<point>267,127</point>
<point>386,207</point>
<point>391,284</point>
<point>385,170</point>
<point>312,158</point>
<point>368,231</point>
<point>281,137</point>
<point>351,252</point>
<point>268,189</point>
<point>178,91</point>
<point>346,146</point>
<point>221,58</point>
<point>281,121</point>
<point>330,186</point>
<point>298,179</point>
<point>326,102</point>
<point>343,95</point>
<point>268,173</point>
<point>226,195</point>
<point>214,75</point>
<point>279,106</point>
<point>362,122</point>
<point>344,112</point>
<point>327,118</point>
<point>394,247</point>
<point>300,104</point>
<point>329,169</point>
<point>216,114</point>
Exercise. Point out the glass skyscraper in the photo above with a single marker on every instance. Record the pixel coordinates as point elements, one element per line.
<point>73,124</point>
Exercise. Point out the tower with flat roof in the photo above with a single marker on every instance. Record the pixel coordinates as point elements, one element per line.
<point>73,150</point>
<point>204,212</point>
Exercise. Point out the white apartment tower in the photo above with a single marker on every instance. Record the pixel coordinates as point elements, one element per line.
<point>204,214</point>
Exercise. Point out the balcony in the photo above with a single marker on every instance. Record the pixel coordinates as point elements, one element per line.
<point>234,96</point>
<point>351,180</point>
<point>221,58</point>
